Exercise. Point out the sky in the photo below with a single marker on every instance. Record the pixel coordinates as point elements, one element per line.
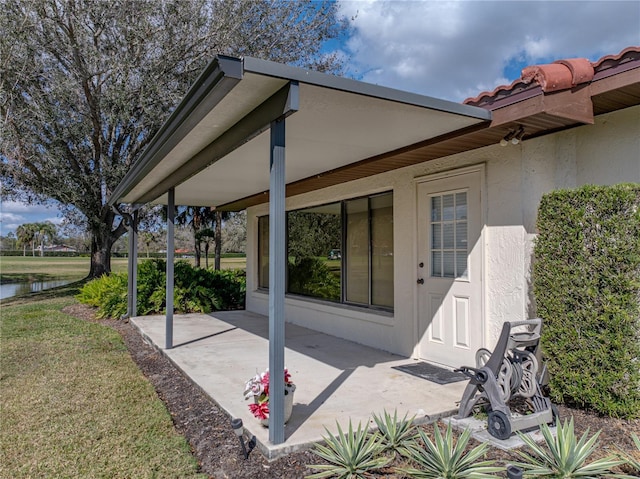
<point>453,49</point>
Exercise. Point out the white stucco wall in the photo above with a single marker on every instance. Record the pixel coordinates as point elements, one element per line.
<point>516,177</point>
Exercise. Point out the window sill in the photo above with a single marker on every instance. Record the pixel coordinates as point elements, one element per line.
<point>362,313</point>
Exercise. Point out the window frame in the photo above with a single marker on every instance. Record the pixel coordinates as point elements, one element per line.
<point>343,266</point>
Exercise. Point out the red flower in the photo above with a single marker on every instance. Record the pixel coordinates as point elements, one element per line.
<point>265,382</point>
<point>260,410</point>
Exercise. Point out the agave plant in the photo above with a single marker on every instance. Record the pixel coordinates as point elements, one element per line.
<point>445,458</point>
<point>352,455</point>
<point>564,456</point>
<point>395,433</point>
<point>631,461</point>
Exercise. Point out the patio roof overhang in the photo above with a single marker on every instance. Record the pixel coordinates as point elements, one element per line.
<point>214,149</point>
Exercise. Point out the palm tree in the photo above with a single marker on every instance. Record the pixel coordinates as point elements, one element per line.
<point>198,218</point>
<point>205,236</point>
<point>26,234</point>
<point>42,231</point>
<point>220,217</point>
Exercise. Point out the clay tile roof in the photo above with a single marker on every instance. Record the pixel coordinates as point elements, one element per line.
<point>560,75</point>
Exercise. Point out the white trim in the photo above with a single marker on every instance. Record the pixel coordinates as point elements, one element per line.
<point>479,168</point>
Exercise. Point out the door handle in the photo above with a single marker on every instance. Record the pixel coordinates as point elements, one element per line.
<point>420,281</point>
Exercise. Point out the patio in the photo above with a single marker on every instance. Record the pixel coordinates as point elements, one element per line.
<point>336,380</point>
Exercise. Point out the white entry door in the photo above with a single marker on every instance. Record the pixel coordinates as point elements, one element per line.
<point>450,309</point>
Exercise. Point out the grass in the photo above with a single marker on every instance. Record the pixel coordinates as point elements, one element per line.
<point>74,404</point>
<point>18,269</point>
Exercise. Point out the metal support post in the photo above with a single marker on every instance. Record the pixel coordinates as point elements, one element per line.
<point>277,264</point>
<point>171,215</point>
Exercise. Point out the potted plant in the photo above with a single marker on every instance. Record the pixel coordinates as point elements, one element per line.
<point>258,388</point>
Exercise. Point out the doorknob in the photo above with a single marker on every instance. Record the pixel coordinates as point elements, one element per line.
<point>420,281</point>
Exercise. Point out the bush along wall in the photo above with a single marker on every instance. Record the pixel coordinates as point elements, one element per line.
<point>586,280</point>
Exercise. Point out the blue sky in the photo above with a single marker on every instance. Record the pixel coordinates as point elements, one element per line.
<point>454,49</point>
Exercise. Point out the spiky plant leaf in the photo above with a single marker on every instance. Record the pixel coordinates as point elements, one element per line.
<point>564,456</point>
<point>395,433</point>
<point>445,458</point>
<point>631,461</point>
<point>351,455</point>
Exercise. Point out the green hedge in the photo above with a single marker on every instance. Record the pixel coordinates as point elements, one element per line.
<point>586,280</point>
<point>195,290</point>
<point>47,254</point>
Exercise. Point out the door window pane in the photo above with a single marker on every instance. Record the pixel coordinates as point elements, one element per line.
<point>449,241</point>
<point>436,208</point>
<point>447,207</point>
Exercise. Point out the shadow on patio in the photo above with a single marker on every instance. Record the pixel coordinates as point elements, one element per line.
<point>336,380</point>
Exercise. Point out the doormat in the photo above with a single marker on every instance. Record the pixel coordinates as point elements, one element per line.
<point>431,373</point>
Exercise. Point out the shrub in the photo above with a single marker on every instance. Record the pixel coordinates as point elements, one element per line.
<point>195,290</point>
<point>353,455</point>
<point>311,276</point>
<point>586,281</point>
<point>395,433</point>
<point>108,293</point>
<point>564,456</point>
<point>445,458</point>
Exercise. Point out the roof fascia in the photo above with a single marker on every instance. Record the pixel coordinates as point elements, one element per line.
<point>280,105</point>
<point>214,83</point>
<point>574,104</point>
<point>279,70</point>
<point>617,81</point>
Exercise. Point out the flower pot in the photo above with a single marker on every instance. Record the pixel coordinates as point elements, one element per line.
<point>289,389</point>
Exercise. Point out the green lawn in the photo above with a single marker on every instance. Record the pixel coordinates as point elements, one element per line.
<point>74,404</point>
<point>15,269</point>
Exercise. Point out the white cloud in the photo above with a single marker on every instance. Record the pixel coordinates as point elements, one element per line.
<point>456,49</point>
<point>15,213</point>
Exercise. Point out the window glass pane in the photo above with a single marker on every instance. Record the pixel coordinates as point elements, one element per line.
<point>461,265</point>
<point>357,251</point>
<point>382,250</point>
<point>436,236</point>
<point>447,208</point>
<point>436,208</point>
<point>461,236</point>
<point>313,249</point>
<point>263,252</point>
<point>341,251</point>
<point>448,266</point>
<point>436,263</point>
<point>447,236</point>
<point>461,206</point>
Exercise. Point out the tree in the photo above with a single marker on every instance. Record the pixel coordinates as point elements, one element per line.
<point>86,84</point>
<point>221,217</point>
<point>205,236</point>
<point>234,233</point>
<point>148,238</point>
<point>25,234</point>
<point>43,231</point>
<point>197,218</point>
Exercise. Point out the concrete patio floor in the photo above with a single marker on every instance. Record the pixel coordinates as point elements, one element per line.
<point>336,380</point>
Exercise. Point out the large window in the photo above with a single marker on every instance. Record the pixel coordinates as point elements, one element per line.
<point>340,252</point>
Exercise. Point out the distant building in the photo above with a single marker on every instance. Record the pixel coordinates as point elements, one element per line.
<point>59,248</point>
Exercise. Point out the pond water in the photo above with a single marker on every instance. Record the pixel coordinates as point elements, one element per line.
<point>13,289</point>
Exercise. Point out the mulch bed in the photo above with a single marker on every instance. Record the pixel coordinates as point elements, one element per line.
<point>207,427</point>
